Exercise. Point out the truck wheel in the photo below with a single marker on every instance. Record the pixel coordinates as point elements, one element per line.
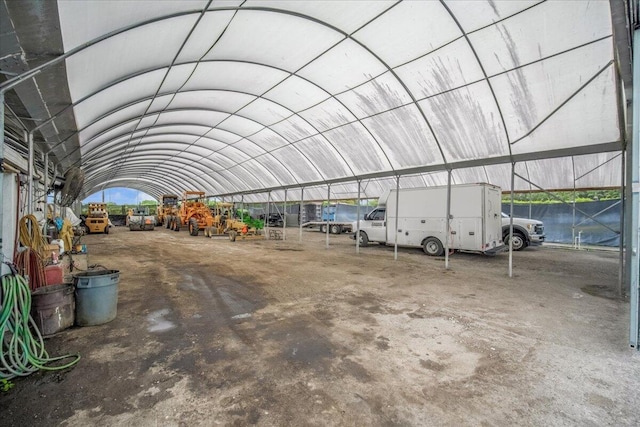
<point>106,229</point>
<point>175,223</point>
<point>323,228</point>
<point>432,247</point>
<point>519,242</point>
<point>232,236</point>
<point>167,222</point>
<point>335,229</point>
<point>364,240</point>
<point>193,227</point>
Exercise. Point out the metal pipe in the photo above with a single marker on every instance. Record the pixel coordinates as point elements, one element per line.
<point>577,243</point>
<point>513,179</point>
<point>300,214</point>
<point>358,221</point>
<point>4,269</point>
<point>553,196</point>
<point>29,138</point>
<point>447,231</point>
<point>328,203</point>
<point>284,213</point>
<point>622,230</point>
<point>46,190</point>
<point>573,217</point>
<point>633,184</point>
<point>11,83</point>
<point>600,212</point>
<point>53,206</point>
<point>395,245</point>
<point>266,217</point>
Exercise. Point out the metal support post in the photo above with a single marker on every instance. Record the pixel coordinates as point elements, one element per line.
<point>266,217</point>
<point>573,220</point>
<point>284,220</point>
<point>395,245</point>
<point>633,241</point>
<point>622,242</point>
<point>300,214</point>
<point>513,178</point>
<point>242,210</point>
<point>358,221</point>
<point>328,203</point>
<point>447,231</point>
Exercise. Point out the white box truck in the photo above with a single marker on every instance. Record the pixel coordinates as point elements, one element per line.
<point>475,225</point>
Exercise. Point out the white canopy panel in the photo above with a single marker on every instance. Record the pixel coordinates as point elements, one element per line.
<point>253,96</point>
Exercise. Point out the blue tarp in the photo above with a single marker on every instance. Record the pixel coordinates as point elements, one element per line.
<point>558,220</point>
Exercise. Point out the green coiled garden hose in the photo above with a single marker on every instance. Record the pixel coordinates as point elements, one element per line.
<point>22,353</point>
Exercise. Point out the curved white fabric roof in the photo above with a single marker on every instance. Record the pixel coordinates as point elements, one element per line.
<point>243,96</point>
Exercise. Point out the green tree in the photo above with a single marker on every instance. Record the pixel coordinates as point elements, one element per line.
<point>540,197</point>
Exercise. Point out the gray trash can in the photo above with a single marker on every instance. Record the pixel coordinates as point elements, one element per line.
<point>96,296</point>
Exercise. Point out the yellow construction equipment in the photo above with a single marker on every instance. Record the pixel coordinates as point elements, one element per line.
<point>221,212</point>
<point>168,208</point>
<point>140,220</point>
<point>97,220</point>
<point>237,224</point>
<point>193,213</point>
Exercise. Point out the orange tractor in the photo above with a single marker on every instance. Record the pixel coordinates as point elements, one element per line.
<point>193,213</point>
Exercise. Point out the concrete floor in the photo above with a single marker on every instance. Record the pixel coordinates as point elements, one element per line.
<point>287,333</point>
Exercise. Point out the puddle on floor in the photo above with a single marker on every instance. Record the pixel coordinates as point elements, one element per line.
<point>601,291</point>
<point>158,323</point>
<point>241,316</point>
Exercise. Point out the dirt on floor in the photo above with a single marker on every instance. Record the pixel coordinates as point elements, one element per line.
<point>293,333</point>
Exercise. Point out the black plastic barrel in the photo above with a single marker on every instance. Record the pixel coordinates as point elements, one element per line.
<point>96,296</point>
<point>52,308</point>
